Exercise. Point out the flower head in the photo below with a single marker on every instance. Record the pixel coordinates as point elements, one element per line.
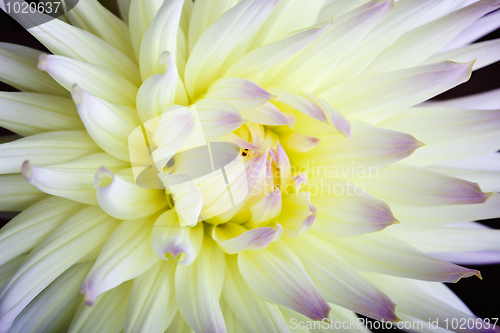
<point>240,166</point>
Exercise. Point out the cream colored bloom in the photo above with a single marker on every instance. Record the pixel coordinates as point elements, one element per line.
<point>347,193</point>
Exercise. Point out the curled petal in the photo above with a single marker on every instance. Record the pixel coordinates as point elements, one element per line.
<point>298,214</point>
<point>123,199</point>
<point>109,125</point>
<point>183,243</point>
<point>96,80</point>
<point>299,181</point>
<point>241,93</point>
<point>234,238</point>
<point>277,276</point>
<point>266,209</point>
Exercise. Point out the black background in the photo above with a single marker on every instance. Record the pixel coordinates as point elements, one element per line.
<point>482,296</point>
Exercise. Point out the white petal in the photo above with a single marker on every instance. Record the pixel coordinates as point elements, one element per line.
<point>338,282</point>
<point>108,313</point>
<point>375,97</point>
<point>96,80</point>
<point>19,70</point>
<point>312,65</point>
<point>28,113</point>
<point>65,40</point>
<point>29,228</point>
<point>152,305</point>
<point>241,93</point>
<point>369,150</point>
<point>57,301</point>
<point>84,232</point>
<point>94,17</point>
<point>480,28</point>
<point>234,238</point>
<point>170,240</point>
<point>141,14</point>
<point>298,214</point>
<point>247,306</point>
<point>208,57</point>
<point>346,210</point>
<point>17,194</point>
<point>414,47</point>
<point>8,269</point>
<point>124,8</point>
<point>126,255</point>
<point>120,197</point>
<point>178,324</point>
<point>377,252</point>
<point>108,124</point>
<point>198,288</point>
<point>485,54</point>
<point>424,300</point>
<point>276,275</point>
<point>412,186</point>
<point>160,36</point>
<point>268,56</point>
<point>73,180</point>
<point>489,100</point>
<point>203,14</point>
<point>158,92</point>
<point>45,149</point>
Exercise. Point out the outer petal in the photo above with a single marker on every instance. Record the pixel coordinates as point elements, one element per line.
<point>17,194</point>
<point>346,210</point>
<point>28,113</point>
<point>81,234</point>
<point>122,198</point>
<point>198,288</point>
<point>276,275</point>
<point>95,18</point>
<point>152,306</point>
<point>69,41</point>
<point>45,149</point>
<point>407,185</point>
<point>160,36</point>
<point>208,57</point>
<point>373,98</point>
<point>19,70</point>
<point>73,180</point>
<point>415,46</point>
<point>419,301</point>
<point>30,227</point>
<point>170,240</point>
<point>179,325</point>
<point>247,306</point>
<point>489,100</point>
<point>96,80</point>
<point>384,254</point>
<point>107,314</point>
<point>339,283</point>
<point>60,299</point>
<point>233,238</point>
<point>108,124</point>
<point>126,255</point>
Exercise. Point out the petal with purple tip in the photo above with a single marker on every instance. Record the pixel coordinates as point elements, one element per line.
<point>298,214</point>
<point>234,238</point>
<point>267,208</point>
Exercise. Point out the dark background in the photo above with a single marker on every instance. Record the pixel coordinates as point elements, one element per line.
<point>480,295</point>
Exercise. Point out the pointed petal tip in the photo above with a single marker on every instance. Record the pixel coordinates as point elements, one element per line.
<point>320,313</point>
<point>77,94</point>
<point>42,61</point>
<point>27,171</point>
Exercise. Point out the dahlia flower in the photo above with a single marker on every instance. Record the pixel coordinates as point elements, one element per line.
<point>247,166</point>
